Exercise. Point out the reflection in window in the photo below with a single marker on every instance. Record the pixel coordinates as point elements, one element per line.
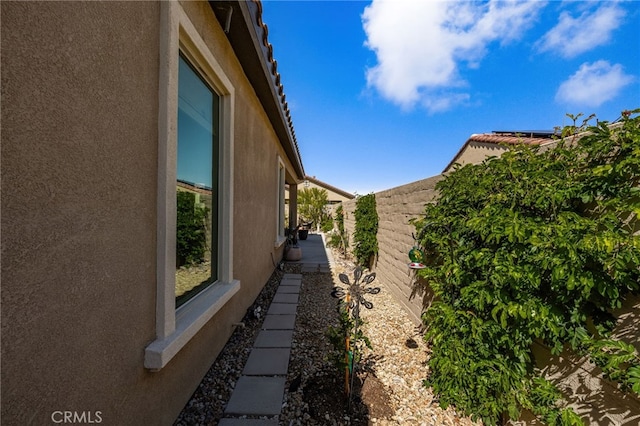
<point>281,200</point>
<point>197,175</point>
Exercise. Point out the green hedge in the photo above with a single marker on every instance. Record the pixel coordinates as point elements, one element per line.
<point>365,236</point>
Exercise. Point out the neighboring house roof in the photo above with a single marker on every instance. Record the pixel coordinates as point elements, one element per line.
<point>498,138</point>
<point>194,187</point>
<point>255,53</point>
<point>330,188</point>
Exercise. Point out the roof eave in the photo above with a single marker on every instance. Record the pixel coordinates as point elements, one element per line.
<point>248,37</point>
<point>455,157</point>
<point>330,187</point>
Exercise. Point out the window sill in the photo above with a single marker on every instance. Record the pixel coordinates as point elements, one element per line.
<point>280,241</point>
<point>190,318</point>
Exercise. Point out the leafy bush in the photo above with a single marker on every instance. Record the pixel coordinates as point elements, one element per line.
<point>327,224</point>
<point>191,231</point>
<point>340,219</point>
<point>365,236</point>
<point>338,237</point>
<point>532,247</point>
<point>311,205</point>
<point>344,356</point>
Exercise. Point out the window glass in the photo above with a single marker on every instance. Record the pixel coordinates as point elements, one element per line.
<point>281,200</point>
<point>197,185</point>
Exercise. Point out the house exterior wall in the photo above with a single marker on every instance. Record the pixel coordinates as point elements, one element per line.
<point>332,196</point>
<point>79,217</point>
<point>476,152</point>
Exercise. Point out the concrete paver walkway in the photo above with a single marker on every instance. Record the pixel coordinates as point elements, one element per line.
<point>315,257</point>
<point>258,395</point>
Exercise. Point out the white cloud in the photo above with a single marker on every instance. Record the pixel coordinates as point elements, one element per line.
<point>573,36</point>
<point>593,84</point>
<point>420,45</point>
<point>436,102</point>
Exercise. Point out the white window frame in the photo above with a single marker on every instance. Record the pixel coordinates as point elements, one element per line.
<point>176,327</point>
<point>280,203</point>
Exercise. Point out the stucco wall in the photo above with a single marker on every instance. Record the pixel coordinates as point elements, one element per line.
<point>79,189</point>
<point>332,197</point>
<point>475,152</point>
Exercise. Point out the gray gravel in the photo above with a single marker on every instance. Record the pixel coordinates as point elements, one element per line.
<point>391,394</point>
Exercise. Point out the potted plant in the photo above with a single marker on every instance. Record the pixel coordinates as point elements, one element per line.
<point>292,251</point>
<point>303,231</point>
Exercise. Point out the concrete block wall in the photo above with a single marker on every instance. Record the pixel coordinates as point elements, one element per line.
<point>396,207</point>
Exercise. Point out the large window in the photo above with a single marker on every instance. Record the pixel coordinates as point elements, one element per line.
<point>197,185</point>
<point>281,224</point>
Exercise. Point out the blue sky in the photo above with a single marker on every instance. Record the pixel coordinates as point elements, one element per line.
<point>384,93</point>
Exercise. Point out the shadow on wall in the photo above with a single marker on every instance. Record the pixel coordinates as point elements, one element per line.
<point>628,327</point>
<point>596,399</point>
<point>421,291</point>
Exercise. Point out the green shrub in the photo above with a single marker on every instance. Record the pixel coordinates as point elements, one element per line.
<point>327,224</point>
<point>532,247</point>
<point>340,219</point>
<point>312,203</point>
<point>365,236</point>
<point>338,237</point>
<point>343,357</point>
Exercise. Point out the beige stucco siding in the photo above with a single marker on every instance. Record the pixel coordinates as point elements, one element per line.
<point>332,196</point>
<point>79,189</point>
<point>477,152</point>
<point>78,205</point>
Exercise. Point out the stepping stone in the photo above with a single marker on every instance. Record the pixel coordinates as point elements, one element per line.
<point>288,289</point>
<point>310,267</point>
<point>274,339</point>
<point>258,396</point>
<point>248,422</point>
<point>282,309</point>
<point>285,298</point>
<point>286,277</point>
<point>267,362</point>
<point>279,322</point>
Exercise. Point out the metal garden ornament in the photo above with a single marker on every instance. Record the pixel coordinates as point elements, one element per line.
<point>416,256</point>
<point>354,296</point>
